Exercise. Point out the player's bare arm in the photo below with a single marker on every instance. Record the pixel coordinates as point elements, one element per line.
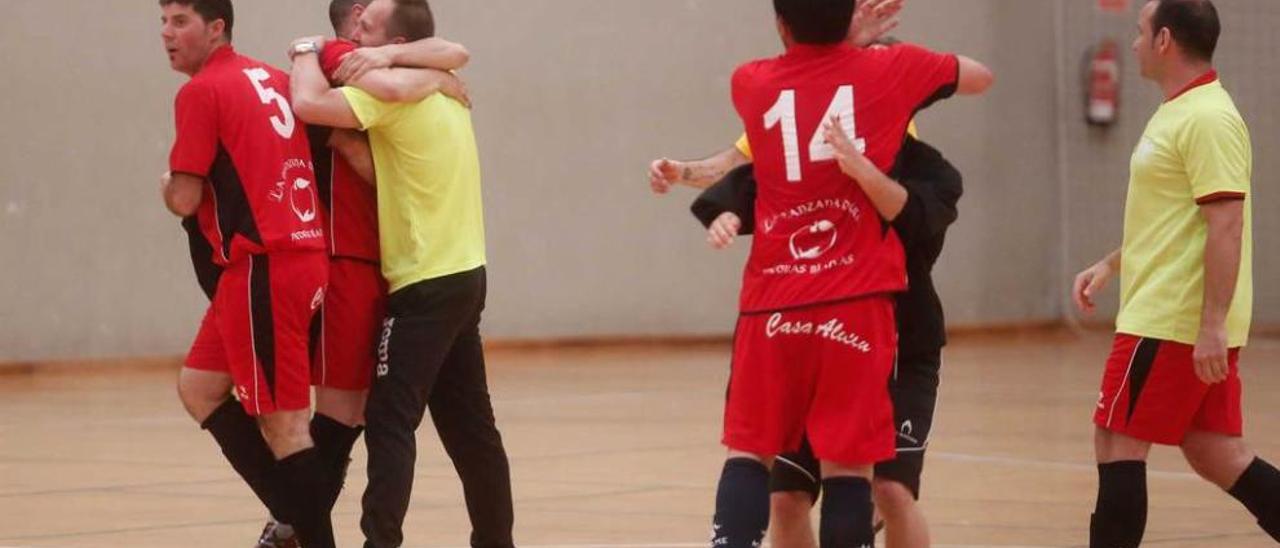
<point>182,193</point>
<point>1094,280</point>
<point>665,173</point>
<point>886,194</point>
<point>432,53</point>
<point>1222,251</point>
<point>355,149</point>
<point>975,78</point>
<point>410,85</point>
<point>313,100</point>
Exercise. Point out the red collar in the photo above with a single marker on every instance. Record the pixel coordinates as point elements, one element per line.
<point>1206,78</point>
<point>223,53</point>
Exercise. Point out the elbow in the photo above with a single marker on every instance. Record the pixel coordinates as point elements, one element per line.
<point>979,82</point>
<point>182,205</point>
<point>393,94</point>
<point>975,78</point>
<point>458,56</point>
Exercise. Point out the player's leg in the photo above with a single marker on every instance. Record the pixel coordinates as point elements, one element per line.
<point>794,485</point>
<point>850,421</point>
<point>1119,517</point>
<point>1215,449</point>
<point>896,487</point>
<point>769,387</point>
<point>463,416</point>
<point>847,507</point>
<point>423,322</point>
<point>1149,395</point>
<point>742,501</point>
<point>204,387</point>
<point>266,308</point>
<point>345,339</point>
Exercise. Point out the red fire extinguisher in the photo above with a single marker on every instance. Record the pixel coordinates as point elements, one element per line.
<point>1102,106</point>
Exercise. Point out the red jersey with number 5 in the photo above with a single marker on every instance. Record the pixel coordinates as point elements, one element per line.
<point>818,238</point>
<point>235,129</point>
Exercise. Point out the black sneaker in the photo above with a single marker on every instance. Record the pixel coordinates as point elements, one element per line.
<point>277,535</point>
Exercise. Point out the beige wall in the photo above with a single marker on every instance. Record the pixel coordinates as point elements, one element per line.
<point>573,98</point>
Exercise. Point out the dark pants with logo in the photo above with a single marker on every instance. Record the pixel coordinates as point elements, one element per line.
<point>431,356</point>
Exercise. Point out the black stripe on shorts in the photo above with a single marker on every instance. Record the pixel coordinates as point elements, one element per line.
<point>264,338</point>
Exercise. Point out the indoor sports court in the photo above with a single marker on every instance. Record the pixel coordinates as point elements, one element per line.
<point>609,320</point>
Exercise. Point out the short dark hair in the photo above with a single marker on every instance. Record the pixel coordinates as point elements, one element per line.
<point>411,20</point>
<point>210,11</point>
<point>818,22</point>
<point>1194,25</point>
<point>340,9</point>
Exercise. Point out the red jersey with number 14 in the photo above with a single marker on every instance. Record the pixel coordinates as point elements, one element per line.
<point>818,238</point>
<point>235,128</point>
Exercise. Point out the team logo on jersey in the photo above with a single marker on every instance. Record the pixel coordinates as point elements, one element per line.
<point>295,183</point>
<point>302,197</point>
<point>813,241</point>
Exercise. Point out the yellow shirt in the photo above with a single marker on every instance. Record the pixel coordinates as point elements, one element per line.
<point>430,217</point>
<point>745,147</point>
<point>1195,147</point>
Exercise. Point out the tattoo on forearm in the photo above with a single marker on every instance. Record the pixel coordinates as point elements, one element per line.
<point>688,174</point>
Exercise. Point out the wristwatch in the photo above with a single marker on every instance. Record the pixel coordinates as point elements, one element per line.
<point>302,48</point>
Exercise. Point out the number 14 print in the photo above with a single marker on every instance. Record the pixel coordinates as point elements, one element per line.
<point>784,112</point>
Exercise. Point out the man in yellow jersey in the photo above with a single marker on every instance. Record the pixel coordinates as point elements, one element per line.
<point>433,256</point>
<point>1186,287</point>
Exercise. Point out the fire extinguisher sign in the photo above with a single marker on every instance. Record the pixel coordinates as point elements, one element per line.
<point>1114,6</point>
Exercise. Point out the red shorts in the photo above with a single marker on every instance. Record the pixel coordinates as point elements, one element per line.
<point>258,329</point>
<point>350,322</point>
<point>1150,391</point>
<point>823,370</point>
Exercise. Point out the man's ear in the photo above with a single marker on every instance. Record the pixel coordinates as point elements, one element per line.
<point>356,11</point>
<point>1164,40</point>
<point>218,27</point>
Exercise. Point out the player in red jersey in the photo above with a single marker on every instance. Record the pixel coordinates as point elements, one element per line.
<point>351,318</point>
<point>241,164</point>
<point>815,342</point>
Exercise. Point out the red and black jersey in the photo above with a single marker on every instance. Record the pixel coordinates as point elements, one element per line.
<point>352,203</point>
<point>236,130</point>
<point>818,237</point>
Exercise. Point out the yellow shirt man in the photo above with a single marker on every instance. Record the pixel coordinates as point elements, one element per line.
<point>430,217</point>
<point>1195,149</point>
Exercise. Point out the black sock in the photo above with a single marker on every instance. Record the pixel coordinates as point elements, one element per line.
<point>1259,490</point>
<point>742,505</point>
<point>1120,517</point>
<point>334,441</point>
<point>302,476</point>
<point>242,444</point>
<point>846,513</point>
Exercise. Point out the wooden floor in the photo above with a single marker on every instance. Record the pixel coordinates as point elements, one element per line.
<point>610,448</point>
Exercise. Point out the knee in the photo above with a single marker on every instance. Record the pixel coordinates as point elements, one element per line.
<point>286,432</point>
<point>787,506</point>
<point>892,498</point>
<point>201,397</point>
<point>343,406</point>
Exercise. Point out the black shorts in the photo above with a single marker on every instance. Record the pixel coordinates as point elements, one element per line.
<point>914,390</point>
